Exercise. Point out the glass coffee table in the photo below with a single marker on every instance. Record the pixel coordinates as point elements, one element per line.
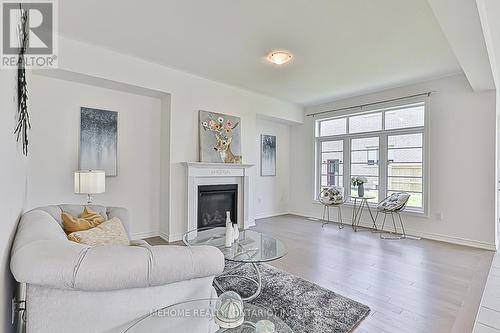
<point>197,317</point>
<point>251,248</point>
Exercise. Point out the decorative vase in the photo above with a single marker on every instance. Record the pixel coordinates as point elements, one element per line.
<point>361,190</point>
<point>229,230</point>
<point>236,232</point>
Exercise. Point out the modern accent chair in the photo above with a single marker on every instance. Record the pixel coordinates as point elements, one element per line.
<point>332,196</point>
<point>393,205</point>
<point>74,288</point>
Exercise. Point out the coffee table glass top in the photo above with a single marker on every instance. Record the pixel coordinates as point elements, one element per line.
<point>251,247</point>
<point>197,317</point>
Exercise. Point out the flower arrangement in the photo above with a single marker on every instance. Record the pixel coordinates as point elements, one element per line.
<point>219,126</point>
<point>357,181</point>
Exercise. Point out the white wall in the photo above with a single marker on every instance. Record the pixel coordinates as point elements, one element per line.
<point>462,162</point>
<point>13,187</point>
<point>497,166</point>
<point>488,12</point>
<point>55,139</point>
<point>272,193</point>
<point>189,94</point>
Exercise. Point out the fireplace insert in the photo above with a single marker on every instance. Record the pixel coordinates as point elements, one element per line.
<point>213,203</point>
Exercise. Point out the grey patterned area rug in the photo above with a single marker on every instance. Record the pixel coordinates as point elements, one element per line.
<point>303,305</point>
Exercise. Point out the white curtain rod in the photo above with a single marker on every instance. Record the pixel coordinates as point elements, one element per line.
<point>370,104</point>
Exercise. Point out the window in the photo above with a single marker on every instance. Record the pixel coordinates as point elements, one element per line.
<point>404,118</point>
<point>405,165</point>
<point>365,123</point>
<point>385,146</point>
<point>365,162</point>
<point>332,165</point>
<point>333,127</point>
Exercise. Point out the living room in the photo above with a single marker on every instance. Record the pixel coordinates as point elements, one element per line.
<point>326,166</point>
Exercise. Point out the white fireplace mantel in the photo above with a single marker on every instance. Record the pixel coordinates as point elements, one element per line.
<point>200,173</point>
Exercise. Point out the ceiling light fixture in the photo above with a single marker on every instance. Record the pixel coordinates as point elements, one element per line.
<point>279,57</point>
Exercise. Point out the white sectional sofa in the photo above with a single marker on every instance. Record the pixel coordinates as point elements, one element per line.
<point>75,288</point>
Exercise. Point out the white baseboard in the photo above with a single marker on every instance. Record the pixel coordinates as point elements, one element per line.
<point>265,216</point>
<point>423,234</point>
<point>163,236</point>
<point>302,215</point>
<point>174,238</point>
<point>171,238</point>
<point>454,240</point>
<point>431,236</point>
<point>144,234</point>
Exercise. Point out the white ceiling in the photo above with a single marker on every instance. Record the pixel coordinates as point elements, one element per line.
<point>489,10</point>
<point>341,47</point>
<point>460,22</point>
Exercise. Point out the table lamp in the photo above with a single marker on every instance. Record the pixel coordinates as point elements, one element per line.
<point>90,182</point>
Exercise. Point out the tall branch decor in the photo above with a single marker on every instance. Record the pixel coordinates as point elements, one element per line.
<point>23,118</point>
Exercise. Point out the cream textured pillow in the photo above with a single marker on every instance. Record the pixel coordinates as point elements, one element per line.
<point>109,232</point>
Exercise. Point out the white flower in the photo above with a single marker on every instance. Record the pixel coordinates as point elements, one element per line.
<point>205,124</point>
<point>221,120</point>
<point>362,179</point>
<point>356,181</point>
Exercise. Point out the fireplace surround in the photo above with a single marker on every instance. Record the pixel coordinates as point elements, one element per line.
<point>202,174</point>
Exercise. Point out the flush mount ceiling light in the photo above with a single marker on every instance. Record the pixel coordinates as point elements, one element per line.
<point>279,57</point>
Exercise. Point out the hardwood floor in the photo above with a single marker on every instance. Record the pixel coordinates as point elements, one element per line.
<point>410,285</point>
<point>488,319</point>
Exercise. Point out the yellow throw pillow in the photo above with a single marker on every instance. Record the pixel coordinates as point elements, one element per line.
<point>89,219</point>
<point>110,232</point>
<point>90,215</point>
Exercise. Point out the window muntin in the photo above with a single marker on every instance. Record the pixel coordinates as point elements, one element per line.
<point>386,146</point>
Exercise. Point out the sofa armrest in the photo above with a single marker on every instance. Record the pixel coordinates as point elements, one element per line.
<point>67,265</point>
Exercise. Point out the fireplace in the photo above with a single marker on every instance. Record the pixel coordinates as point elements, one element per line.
<point>207,174</point>
<point>213,203</point>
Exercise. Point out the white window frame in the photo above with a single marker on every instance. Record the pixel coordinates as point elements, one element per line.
<point>383,150</point>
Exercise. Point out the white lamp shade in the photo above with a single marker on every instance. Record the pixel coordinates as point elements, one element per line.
<point>90,181</point>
